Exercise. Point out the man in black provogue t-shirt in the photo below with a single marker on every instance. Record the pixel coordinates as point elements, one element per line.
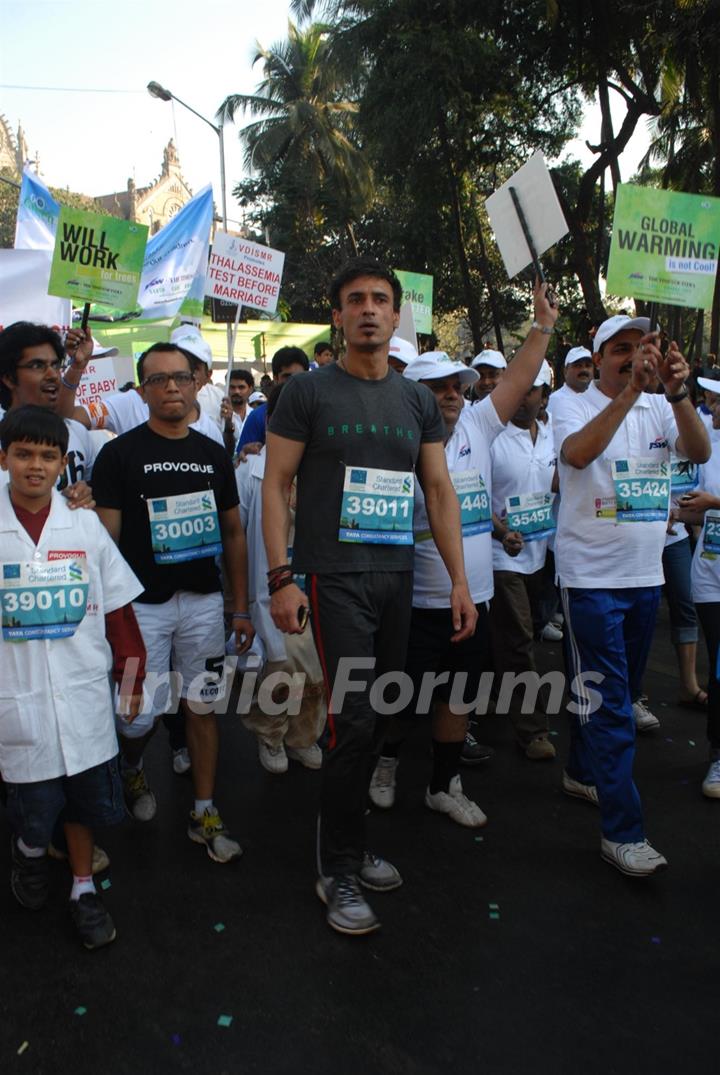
<point>168,496</point>
<point>357,435</point>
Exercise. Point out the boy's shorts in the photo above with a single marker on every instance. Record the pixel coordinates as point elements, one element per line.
<point>430,650</point>
<point>93,797</point>
<point>185,634</point>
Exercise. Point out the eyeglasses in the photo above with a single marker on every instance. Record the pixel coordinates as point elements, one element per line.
<point>39,365</point>
<point>182,379</point>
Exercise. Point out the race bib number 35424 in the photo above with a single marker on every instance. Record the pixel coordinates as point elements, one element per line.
<point>642,489</point>
<point>45,599</point>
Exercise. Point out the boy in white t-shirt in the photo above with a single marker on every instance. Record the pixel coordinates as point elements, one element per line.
<point>613,443</point>
<point>65,593</point>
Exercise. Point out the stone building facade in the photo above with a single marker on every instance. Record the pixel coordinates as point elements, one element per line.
<point>155,204</point>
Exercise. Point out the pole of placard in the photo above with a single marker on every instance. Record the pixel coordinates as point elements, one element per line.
<point>231,347</point>
<point>530,243</point>
<point>85,316</point>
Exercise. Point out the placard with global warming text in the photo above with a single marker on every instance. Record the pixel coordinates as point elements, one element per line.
<point>97,258</point>
<point>664,246</point>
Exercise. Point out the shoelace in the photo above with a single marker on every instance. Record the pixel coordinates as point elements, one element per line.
<point>714,771</point>
<point>470,739</point>
<point>347,891</point>
<point>384,775</point>
<point>137,782</point>
<point>212,824</point>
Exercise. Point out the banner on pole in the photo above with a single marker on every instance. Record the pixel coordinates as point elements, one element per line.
<point>664,246</point>
<point>23,291</point>
<point>418,290</point>
<point>244,272</point>
<point>37,214</point>
<point>97,258</point>
<point>545,219</point>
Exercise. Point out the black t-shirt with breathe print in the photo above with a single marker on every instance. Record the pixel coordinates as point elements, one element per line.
<point>142,465</point>
<point>345,421</point>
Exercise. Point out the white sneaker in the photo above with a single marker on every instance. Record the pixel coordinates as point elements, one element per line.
<point>551,633</point>
<point>310,757</point>
<point>558,619</point>
<point>274,759</point>
<point>635,860</point>
<point>378,874</point>
<point>456,805</point>
<point>181,761</point>
<point>578,790</point>
<point>382,785</point>
<point>711,783</point>
<point>347,909</point>
<point>645,721</point>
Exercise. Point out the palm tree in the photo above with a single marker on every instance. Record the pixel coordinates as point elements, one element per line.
<point>303,131</point>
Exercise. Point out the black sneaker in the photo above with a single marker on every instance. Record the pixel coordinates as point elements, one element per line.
<point>28,878</point>
<point>94,925</point>
<point>347,909</point>
<point>473,753</point>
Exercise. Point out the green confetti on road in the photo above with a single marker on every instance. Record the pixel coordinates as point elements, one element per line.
<point>224,1020</point>
<point>80,1010</point>
<point>218,927</point>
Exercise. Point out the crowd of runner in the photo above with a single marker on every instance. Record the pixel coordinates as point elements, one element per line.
<point>373,536</point>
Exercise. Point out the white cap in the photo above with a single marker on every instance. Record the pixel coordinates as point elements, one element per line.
<point>402,350</point>
<point>99,351</point>
<point>189,339</point>
<point>436,364</point>
<point>709,384</point>
<point>496,359</point>
<point>576,354</point>
<point>616,324</point>
<point>544,375</point>
<point>257,397</point>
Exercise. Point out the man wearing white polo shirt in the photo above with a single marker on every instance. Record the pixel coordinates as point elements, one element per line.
<point>578,376</point>
<point>613,444</point>
<point>489,366</point>
<point>523,466</point>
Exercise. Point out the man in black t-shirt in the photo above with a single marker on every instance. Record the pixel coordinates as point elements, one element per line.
<point>168,496</point>
<point>357,435</point>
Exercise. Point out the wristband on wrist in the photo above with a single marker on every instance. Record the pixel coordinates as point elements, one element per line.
<point>241,615</point>
<point>67,384</point>
<point>679,396</point>
<point>542,328</point>
<point>277,584</point>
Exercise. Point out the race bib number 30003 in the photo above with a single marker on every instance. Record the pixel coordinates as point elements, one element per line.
<point>184,527</point>
<point>42,599</point>
<point>377,507</point>
<point>642,490</point>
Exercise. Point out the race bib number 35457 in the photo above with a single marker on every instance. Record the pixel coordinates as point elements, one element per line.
<point>45,599</point>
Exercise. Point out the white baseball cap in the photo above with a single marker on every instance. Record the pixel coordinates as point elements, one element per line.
<point>616,324</point>
<point>496,359</point>
<point>257,397</point>
<point>402,350</point>
<point>709,384</point>
<point>576,354</point>
<point>189,339</point>
<point>433,365</point>
<point>544,375</point>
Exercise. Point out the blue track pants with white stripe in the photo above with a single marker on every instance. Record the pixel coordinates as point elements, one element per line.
<point>608,632</point>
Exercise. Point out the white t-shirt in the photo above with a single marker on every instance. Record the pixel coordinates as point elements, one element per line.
<point>560,395</point>
<point>467,449</point>
<point>80,455</point>
<point>592,550</point>
<point>56,709</point>
<point>705,572</point>
<point>519,466</point>
<point>120,412</point>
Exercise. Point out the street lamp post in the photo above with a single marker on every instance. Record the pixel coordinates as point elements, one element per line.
<point>163,94</point>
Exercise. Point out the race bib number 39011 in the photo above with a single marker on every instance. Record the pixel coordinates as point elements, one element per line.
<point>184,527</point>
<point>531,514</point>
<point>43,599</point>
<point>642,489</point>
<point>377,507</point>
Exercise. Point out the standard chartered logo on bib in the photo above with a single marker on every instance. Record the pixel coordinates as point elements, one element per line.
<point>45,599</point>
<point>184,527</point>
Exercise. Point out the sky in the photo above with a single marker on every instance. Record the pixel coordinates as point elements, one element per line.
<point>85,66</point>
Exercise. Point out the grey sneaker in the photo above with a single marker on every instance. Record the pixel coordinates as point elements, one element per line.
<point>310,757</point>
<point>139,799</point>
<point>636,860</point>
<point>382,785</point>
<point>645,721</point>
<point>347,910</point>
<point>181,761</point>
<point>273,759</point>
<point>711,783</point>
<point>209,829</point>
<point>579,791</point>
<point>377,874</point>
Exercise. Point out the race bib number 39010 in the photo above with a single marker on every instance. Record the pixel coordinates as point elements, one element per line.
<point>377,507</point>
<point>184,527</point>
<point>642,489</point>
<point>43,599</point>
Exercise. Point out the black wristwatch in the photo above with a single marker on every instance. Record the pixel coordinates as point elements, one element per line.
<point>681,395</point>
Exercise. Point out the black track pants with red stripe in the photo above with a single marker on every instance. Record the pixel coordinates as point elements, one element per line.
<point>360,622</point>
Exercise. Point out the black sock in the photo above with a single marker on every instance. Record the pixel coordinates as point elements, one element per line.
<point>446,764</point>
<point>391,750</point>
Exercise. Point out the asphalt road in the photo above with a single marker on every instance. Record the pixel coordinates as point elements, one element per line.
<point>508,950</point>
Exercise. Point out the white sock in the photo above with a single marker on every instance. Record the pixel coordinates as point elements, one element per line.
<point>30,852</point>
<point>80,886</point>
<point>201,805</point>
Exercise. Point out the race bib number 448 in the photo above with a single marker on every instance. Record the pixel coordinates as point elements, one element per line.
<point>43,599</point>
